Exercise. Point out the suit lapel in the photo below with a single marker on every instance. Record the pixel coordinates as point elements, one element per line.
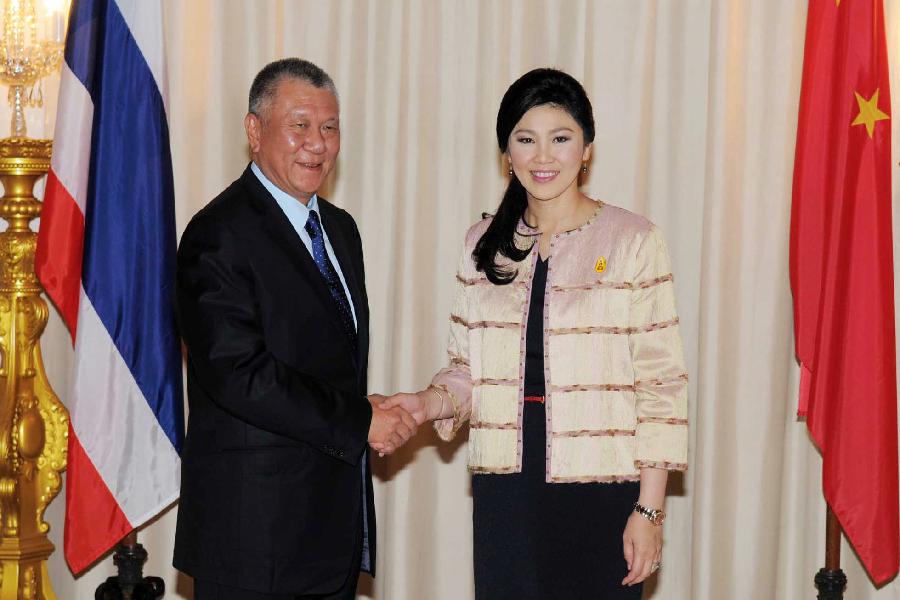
<point>279,228</point>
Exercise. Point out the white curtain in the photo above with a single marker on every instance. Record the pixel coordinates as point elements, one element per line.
<point>696,109</point>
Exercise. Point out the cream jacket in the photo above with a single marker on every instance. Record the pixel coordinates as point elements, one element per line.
<point>616,386</point>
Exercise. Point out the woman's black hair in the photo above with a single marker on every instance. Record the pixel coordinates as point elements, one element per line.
<point>536,88</point>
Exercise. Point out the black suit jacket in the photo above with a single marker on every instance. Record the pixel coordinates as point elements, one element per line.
<point>271,480</point>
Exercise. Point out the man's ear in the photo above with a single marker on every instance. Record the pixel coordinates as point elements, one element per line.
<point>252,125</point>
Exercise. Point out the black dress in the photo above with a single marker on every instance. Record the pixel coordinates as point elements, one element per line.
<point>547,541</point>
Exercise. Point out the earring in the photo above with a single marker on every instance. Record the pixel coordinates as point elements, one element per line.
<point>510,170</point>
<point>584,168</point>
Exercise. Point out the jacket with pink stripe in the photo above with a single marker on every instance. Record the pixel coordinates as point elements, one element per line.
<point>616,386</point>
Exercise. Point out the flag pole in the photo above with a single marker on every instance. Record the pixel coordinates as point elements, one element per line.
<point>129,559</point>
<point>830,580</point>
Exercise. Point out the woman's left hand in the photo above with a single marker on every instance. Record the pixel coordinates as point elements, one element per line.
<point>643,547</point>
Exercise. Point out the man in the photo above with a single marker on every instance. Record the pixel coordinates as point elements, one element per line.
<point>276,497</point>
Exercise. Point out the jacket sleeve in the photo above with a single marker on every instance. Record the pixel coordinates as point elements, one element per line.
<point>660,378</point>
<point>220,322</point>
<point>456,379</point>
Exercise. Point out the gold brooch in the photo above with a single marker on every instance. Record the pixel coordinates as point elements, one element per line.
<point>601,264</point>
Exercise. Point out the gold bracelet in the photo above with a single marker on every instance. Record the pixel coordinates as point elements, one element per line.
<point>453,403</point>
<point>440,397</point>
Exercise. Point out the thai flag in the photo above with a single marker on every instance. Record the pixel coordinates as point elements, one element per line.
<point>106,257</point>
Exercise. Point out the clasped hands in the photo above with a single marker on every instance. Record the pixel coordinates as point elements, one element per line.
<point>395,419</point>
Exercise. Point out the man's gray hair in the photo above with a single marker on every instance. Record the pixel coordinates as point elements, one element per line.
<point>267,80</point>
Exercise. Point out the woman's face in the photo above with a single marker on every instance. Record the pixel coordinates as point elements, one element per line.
<point>546,149</point>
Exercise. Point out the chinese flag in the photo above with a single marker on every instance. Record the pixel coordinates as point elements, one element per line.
<point>842,272</point>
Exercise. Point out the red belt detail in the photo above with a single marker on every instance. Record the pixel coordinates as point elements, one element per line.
<point>534,399</point>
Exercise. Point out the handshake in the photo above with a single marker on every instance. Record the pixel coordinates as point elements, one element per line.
<point>395,419</point>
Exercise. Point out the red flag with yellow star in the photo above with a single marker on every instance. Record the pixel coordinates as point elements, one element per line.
<point>842,273</point>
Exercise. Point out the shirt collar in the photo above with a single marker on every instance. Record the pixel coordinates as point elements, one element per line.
<point>285,200</point>
<point>523,228</point>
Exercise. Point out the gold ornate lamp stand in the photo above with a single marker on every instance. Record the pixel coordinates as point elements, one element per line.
<point>33,422</point>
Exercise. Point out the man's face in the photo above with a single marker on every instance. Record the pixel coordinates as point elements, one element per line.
<point>296,138</point>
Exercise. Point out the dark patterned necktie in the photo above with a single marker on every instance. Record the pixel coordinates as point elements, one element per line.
<point>314,229</point>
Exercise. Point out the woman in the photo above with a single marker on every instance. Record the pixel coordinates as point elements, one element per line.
<point>566,359</point>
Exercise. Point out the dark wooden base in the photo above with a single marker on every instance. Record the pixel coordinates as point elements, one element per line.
<point>831,584</point>
<point>130,584</point>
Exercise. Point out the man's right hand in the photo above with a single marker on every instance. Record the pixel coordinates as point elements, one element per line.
<point>390,428</point>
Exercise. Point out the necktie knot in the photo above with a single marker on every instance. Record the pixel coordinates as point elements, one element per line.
<point>312,225</point>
